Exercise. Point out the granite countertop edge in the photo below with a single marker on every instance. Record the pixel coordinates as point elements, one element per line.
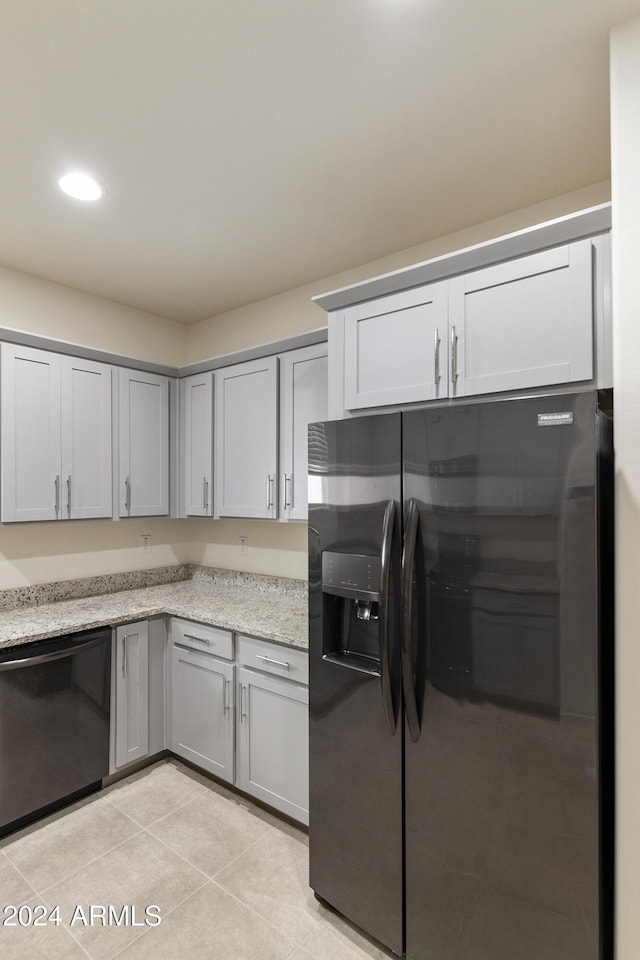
<point>239,607</point>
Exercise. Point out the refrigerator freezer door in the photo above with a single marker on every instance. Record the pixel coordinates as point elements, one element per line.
<point>355,829</point>
<point>502,853</point>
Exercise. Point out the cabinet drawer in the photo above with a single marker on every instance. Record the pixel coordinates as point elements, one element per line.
<point>273,658</point>
<point>201,636</point>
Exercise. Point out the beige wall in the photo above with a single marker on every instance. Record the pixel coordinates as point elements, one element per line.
<point>52,310</point>
<point>625,121</point>
<point>278,549</point>
<point>42,552</point>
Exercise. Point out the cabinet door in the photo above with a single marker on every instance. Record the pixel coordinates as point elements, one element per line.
<point>86,439</point>
<point>525,323</point>
<point>144,444</point>
<point>196,394</point>
<point>395,348</point>
<point>273,742</point>
<point>303,400</point>
<point>31,466</point>
<point>132,692</point>
<point>202,714</point>
<point>246,439</point>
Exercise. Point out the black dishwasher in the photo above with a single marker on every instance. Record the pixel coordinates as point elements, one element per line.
<point>54,723</point>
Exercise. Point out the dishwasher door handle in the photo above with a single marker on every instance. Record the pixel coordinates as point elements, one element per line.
<point>48,657</point>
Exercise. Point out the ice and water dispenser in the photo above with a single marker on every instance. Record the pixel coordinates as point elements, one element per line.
<point>351,602</point>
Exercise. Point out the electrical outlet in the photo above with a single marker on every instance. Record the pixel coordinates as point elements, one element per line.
<point>145,543</point>
<point>244,546</point>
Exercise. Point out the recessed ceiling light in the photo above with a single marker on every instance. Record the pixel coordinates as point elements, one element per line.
<point>80,186</point>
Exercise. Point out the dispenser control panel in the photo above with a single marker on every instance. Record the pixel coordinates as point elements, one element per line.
<point>351,575</point>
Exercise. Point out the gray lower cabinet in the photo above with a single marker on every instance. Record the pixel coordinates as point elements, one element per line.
<point>236,707</point>
<point>202,710</point>
<point>131,692</point>
<point>273,727</point>
<point>137,692</point>
<point>201,727</point>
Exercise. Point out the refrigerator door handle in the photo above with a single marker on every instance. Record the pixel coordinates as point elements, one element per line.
<point>408,562</point>
<point>385,657</point>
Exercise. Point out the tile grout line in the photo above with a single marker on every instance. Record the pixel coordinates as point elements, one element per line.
<point>89,863</point>
<point>159,819</point>
<point>42,898</point>
<point>256,914</point>
<point>164,916</point>
<point>189,862</point>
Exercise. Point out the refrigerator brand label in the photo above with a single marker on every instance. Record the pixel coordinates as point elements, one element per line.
<point>555,419</point>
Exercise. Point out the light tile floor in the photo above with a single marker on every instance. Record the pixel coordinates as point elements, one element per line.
<point>230,880</point>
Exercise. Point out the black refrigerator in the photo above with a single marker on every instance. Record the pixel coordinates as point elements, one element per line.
<point>461,671</point>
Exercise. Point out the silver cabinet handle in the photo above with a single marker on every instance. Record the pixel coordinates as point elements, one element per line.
<point>226,699</point>
<point>436,358</point>
<point>57,488</point>
<point>192,636</point>
<point>124,655</point>
<point>269,491</point>
<point>287,499</point>
<point>279,663</point>
<point>69,494</point>
<point>244,713</point>
<point>127,494</point>
<point>454,356</point>
<point>205,493</point>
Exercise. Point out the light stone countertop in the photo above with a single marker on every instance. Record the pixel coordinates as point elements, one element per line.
<point>238,606</point>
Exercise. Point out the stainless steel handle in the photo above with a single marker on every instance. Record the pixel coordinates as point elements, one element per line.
<point>68,651</point>
<point>224,696</point>
<point>243,701</point>
<point>287,499</point>
<point>270,479</point>
<point>279,663</point>
<point>192,636</point>
<point>57,489</point>
<point>454,356</point>
<point>205,493</point>
<point>436,358</point>
<point>127,494</point>
<point>408,562</point>
<point>69,494</point>
<point>383,614</point>
<point>124,655</point>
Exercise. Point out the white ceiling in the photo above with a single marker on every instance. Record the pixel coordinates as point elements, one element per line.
<point>250,146</point>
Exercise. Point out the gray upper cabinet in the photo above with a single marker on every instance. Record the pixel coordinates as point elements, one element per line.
<point>246,439</point>
<point>524,323</point>
<point>143,475</point>
<point>196,449</point>
<point>86,438</point>
<point>56,436</point>
<point>303,400</point>
<point>395,348</point>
